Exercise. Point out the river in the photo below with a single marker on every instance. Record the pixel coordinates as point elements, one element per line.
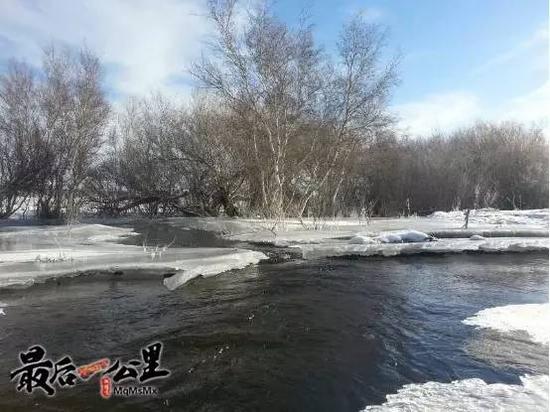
<point>321,335</point>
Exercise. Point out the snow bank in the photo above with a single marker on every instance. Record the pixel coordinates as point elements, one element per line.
<point>362,239</point>
<point>404,236</point>
<point>31,255</point>
<point>401,236</point>
<point>183,263</point>
<point>441,246</point>
<point>470,395</point>
<point>493,232</point>
<point>531,318</point>
<point>477,237</point>
<point>497,217</point>
<point>483,222</point>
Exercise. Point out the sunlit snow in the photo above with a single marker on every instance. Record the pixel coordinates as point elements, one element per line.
<point>36,254</point>
<point>469,395</point>
<point>534,319</point>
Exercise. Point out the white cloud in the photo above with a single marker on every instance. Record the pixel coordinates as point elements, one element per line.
<point>537,40</point>
<point>456,108</point>
<point>531,108</point>
<point>448,111</point>
<point>438,112</point>
<point>144,44</point>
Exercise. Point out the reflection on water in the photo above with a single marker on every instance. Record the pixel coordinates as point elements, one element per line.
<point>322,335</point>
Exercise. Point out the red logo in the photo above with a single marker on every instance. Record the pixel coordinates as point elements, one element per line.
<point>88,370</point>
<point>105,387</point>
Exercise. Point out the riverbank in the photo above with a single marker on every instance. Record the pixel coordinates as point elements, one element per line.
<point>35,254</point>
<point>30,254</point>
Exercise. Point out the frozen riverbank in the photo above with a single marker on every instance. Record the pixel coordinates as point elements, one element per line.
<point>441,246</point>
<point>36,254</point>
<point>485,222</point>
<point>488,231</point>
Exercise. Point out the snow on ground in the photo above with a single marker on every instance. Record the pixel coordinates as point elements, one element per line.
<point>469,395</point>
<point>531,318</point>
<point>483,222</point>
<point>403,236</point>
<point>372,248</point>
<point>497,217</point>
<point>35,254</point>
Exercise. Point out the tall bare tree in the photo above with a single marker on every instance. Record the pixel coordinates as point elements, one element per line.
<point>297,115</point>
<point>21,150</point>
<point>74,113</point>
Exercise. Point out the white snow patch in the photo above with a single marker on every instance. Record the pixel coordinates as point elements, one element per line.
<point>399,236</point>
<point>36,254</point>
<point>477,237</point>
<point>441,246</point>
<point>497,217</point>
<point>361,240</point>
<point>403,236</point>
<point>469,395</point>
<point>531,318</point>
<point>485,222</point>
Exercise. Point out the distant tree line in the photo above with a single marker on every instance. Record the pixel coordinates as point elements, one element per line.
<point>502,166</point>
<point>279,128</point>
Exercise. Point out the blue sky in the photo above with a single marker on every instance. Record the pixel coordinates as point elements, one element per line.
<point>461,60</point>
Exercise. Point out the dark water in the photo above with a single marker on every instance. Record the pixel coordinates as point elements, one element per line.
<point>161,232</point>
<point>328,335</point>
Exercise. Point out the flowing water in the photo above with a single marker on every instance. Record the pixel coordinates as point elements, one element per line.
<point>324,335</point>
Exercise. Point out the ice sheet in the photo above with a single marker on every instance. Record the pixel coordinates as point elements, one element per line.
<point>490,245</point>
<point>531,318</point>
<point>469,395</point>
<point>35,254</point>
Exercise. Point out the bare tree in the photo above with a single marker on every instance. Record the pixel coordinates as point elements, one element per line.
<point>21,150</point>
<point>298,117</point>
<point>73,115</point>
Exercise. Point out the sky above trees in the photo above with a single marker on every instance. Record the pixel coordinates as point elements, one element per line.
<point>460,60</point>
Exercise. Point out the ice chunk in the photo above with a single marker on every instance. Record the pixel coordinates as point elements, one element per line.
<point>361,240</point>
<point>469,395</point>
<point>531,318</point>
<point>403,236</point>
<point>211,266</point>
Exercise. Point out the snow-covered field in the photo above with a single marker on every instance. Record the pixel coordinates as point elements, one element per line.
<point>475,394</point>
<point>35,254</point>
